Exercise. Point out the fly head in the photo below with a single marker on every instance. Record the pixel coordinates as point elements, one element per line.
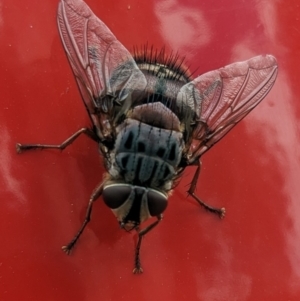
<point>133,205</point>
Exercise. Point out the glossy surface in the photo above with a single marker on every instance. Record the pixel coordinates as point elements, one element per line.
<point>253,254</point>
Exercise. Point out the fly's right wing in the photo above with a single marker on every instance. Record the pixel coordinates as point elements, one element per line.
<point>223,97</point>
<point>104,70</point>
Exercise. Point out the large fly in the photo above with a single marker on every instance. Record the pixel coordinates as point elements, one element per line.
<point>150,118</point>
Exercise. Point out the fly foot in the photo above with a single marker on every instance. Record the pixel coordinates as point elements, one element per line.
<point>138,269</point>
<point>67,249</point>
<point>19,148</point>
<point>222,213</point>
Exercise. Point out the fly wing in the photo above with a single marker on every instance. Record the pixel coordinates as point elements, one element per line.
<point>223,97</point>
<point>105,71</point>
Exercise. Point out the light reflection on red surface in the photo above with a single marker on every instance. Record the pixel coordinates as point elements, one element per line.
<point>176,19</point>
<point>253,254</point>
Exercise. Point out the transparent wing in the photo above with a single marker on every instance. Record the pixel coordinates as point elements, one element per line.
<point>105,71</point>
<point>223,97</point>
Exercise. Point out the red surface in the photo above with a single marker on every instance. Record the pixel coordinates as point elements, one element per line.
<point>253,254</point>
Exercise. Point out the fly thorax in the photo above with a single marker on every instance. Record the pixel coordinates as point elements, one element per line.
<point>146,155</point>
<point>165,76</point>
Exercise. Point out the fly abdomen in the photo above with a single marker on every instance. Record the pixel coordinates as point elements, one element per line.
<point>146,155</point>
<point>138,137</point>
<point>139,169</point>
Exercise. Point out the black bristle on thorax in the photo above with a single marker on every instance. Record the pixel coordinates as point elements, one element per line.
<point>159,63</point>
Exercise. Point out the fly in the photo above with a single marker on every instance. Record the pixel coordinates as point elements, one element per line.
<point>149,117</point>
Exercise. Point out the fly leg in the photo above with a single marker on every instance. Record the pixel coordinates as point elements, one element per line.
<point>137,263</point>
<point>191,192</point>
<point>70,140</point>
<point>96,193</point>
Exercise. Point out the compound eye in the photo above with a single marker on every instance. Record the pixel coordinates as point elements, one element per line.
<point>115,195</point>
<point>157,202</point>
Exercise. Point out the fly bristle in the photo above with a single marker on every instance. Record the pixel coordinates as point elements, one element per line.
<point>150,59</point>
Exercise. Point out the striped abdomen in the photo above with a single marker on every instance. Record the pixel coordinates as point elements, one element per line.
<point>145,154</point>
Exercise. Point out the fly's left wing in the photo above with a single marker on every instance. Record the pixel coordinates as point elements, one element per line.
<point>104,70</point>
<point>223,97</point>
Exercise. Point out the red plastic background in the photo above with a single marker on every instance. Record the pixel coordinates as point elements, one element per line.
<point>253,254</point>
